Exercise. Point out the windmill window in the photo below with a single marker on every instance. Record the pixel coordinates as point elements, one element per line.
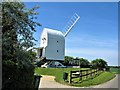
<point>57,50</point>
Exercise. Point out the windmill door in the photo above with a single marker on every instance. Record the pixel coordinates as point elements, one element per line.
<point>41,52</point>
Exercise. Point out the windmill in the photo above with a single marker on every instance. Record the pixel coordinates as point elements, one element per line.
<point>52,42</point>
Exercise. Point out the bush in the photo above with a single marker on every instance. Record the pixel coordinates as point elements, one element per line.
<point>18,74</point>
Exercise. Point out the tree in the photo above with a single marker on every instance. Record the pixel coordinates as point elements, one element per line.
<point>84,63</point>
<point>99,63</point>
<point>17,35</point>
<point>33,54</point>
<point>68,60</point>
<point>76,61</point>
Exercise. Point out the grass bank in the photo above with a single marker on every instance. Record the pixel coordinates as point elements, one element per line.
<point>102,78</point>
<point>58,73</point>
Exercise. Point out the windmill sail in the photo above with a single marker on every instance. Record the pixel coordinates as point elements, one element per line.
<point>71,23</point>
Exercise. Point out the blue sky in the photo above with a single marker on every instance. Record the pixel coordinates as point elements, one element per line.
<point>95,35</point>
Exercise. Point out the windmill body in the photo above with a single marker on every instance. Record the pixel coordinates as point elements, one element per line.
<point>52,44</point>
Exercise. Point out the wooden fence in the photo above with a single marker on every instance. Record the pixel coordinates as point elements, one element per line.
<point>83,73</point>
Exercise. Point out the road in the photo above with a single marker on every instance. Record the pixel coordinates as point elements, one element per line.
<point>49,82</point>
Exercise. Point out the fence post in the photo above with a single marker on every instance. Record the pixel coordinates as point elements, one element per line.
<point>80,76</point>
<point>91,74</point>
<point>86,74</point>
<point>96,71</point>
<point>70,80</point>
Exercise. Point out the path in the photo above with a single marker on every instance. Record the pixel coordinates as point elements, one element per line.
<point>49,82</point>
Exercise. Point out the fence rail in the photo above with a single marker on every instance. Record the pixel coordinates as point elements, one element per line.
<point>83,73</point>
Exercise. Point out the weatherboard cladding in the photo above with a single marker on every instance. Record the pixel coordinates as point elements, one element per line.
<point>54,44</point>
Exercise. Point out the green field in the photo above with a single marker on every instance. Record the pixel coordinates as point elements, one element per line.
<point>115,70</point>
<point>58,73</point>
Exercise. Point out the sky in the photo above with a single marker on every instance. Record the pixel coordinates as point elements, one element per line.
<point>95,35</point>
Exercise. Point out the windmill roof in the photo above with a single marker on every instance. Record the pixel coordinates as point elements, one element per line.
<point>53,32</point>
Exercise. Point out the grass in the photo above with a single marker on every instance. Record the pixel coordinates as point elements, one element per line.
<point>58,73</point>
<point>115,70</point>
<point>102,78</point>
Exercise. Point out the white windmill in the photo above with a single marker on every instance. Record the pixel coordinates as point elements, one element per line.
<point>52,42</point>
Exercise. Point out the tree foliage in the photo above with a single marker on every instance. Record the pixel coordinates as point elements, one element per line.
<point>76,61</point>
<point>18,24</point>
<point>99,63</point>
<point>68,60</point>
<point>84,62</point>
